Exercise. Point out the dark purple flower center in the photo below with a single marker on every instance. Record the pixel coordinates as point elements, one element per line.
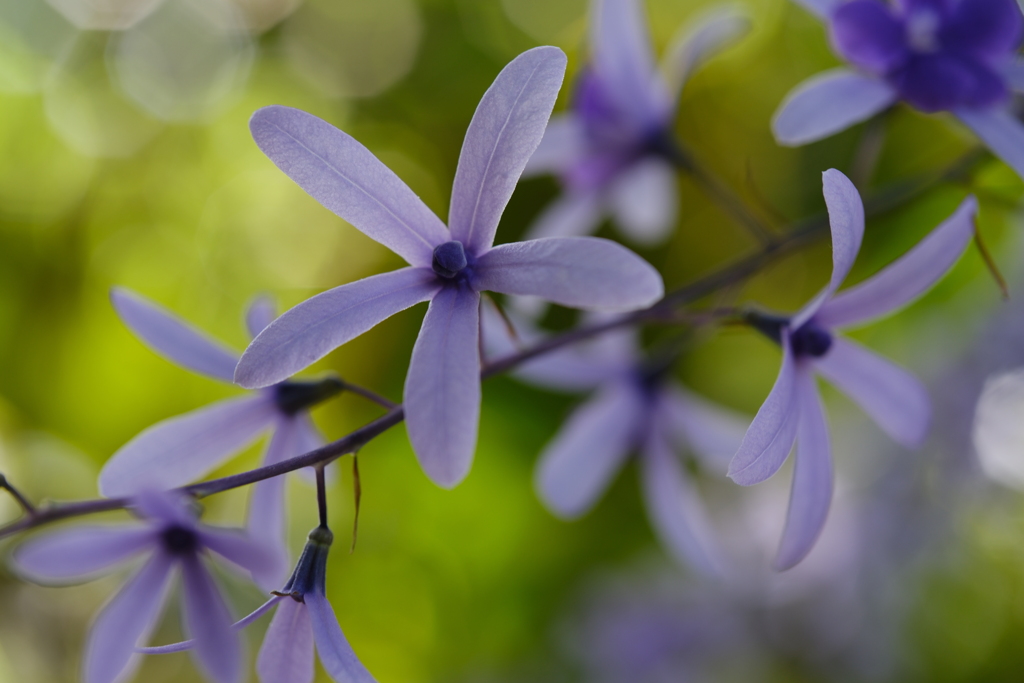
<point>810,340</point>
<point>179,540</point>
<point>293,396</point>
<point>449,259</point>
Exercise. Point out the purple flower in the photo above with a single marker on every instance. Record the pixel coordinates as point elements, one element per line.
<point>449,268</point>
<point>636,407</point>
<point>895,399</point>
<point>612,150</point>
<point>182,449</point>
<point>936,55</point>
<point>174,541</point>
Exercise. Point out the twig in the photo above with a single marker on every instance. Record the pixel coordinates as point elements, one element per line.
<point>17,495</point>
<point>371,395</point>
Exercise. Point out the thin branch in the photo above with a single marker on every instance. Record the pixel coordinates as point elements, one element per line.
<point>17,495</point>
<point>321,495</point>
<point>370,395</point>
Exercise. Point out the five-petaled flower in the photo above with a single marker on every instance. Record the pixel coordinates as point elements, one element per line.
<point>173,540</point>
<point>613,150</point>
<point>894,398</point>
<point>936,55</point>
<point>449,268</point>
<point>182,449</point>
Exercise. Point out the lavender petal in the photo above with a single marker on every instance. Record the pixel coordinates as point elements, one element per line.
<point>571,215</point>
<point>208,622</point>
<point>577,465</point>
<point>563,143</point>
<point>694,45</point>
<point>645,201</point>
<point>187,645</point>
<point>266,516</point>
<point>907,278</point>
<point>506,129</point>
<point>180,450</point>
<point>317,326</point>
<point>986,29</point>
<point>442,387</point>
<point>894,398</point>
<point>1013,73</point>
<point>711,432</point>
<point>1000,131</point>
<point>261,312</point>
<point>249,552</point>
<point>172,337</point>
<point>124,621</point>
<point>828,103</point>
<point>165,507</point>
<point>581,272</point>
<point>811,495</point>
<point>336,654</point>
<point>287,652</point>
<point>868,34</point>
<point>78,553</point>
<point>846,218</point>
<point>349,180</point>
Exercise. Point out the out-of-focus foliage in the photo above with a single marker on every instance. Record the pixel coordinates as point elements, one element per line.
<point>127,160</point>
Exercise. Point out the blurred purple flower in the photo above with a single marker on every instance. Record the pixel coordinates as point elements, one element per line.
<point>613,149</point>
<point>895,399</point>
<point>175,541</point>
<point>182,449</point>
<point>448,268</point>
<point>936,55</point>
<point>636,406</point>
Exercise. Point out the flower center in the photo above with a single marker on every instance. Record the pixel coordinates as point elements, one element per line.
<point>178,540</point>
<point>923,30</point>
<point>291,396</point>
<point>449,259</point>
<point>810,340</point>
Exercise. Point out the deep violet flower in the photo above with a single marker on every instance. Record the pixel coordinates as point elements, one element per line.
<point>936,55</point>
<point>182,449</point>
<point>449,268</point>
<point>893,398</point>
<point>635,407</point>
<point>174,541</point>
<point>612,149</point>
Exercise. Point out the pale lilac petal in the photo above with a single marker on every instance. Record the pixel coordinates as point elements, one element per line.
<point>186,645</point>
<point>645,201</point>
<point>576,467</point>
<point>249,552</point>
<point>820,8</point>
<point>348,179</point>
<point>699,42</point>
<point>769,439</point>
<point>172,337</point>
<point>442,387</point>
<point>894,398</point>
<point>846,218</point>
<point>507,127</point>
<point>261,312</point>
<point>317,326</point>
<point>710,431</point>
<point>336,654</point>
<point>1014,74</point>
<point>181,450</point>
<point>208,622</point>
<point>266,516</point>
<point>563,142</point>
<point>811,494</point>
<point>287,652</point>
<point>78,553</point>
<point>571,215</point>
<point>128,618</point>
<point>675,510</point>
<point>907,278</point>
<point>828,103</point>
<point>165,507</point>
<point>622,56</point>
<point>581,272</point>
<point>1001,132</point>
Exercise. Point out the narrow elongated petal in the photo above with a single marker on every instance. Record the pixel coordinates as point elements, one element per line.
<point>811,495</point>
<point>127,619</point>
<point>645,200</point>
<point>894,398</point>
<point>348,179</point>
<point>571,215</point>
<point>1001,133</point>
<point>582,272</point>
<point>261,312</point>
<point>442,387</point>
<point>172,337</point>
<point>180,450</point>
<point>336,654</point>
<point>266,517</point>
<point>769,438</point>
<point>564,141</point>
<point>846,218</point>
<point>694,45</point>
<point>186,645</point>
<point>287,652</point>
<point>79,553</point>
<point>250,553</point>
<point>623,57</point>
<point>576,467</point>
<point>908,277</point>
<point>208,621</point>
<point>1014,74</point>
<point>828,103</point>
<point>507,127</point>
<point>712,432</point>
<point>317,326</point>
<point>674,508</point>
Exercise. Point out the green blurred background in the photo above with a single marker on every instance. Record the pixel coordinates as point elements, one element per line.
<point>125,159</point>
